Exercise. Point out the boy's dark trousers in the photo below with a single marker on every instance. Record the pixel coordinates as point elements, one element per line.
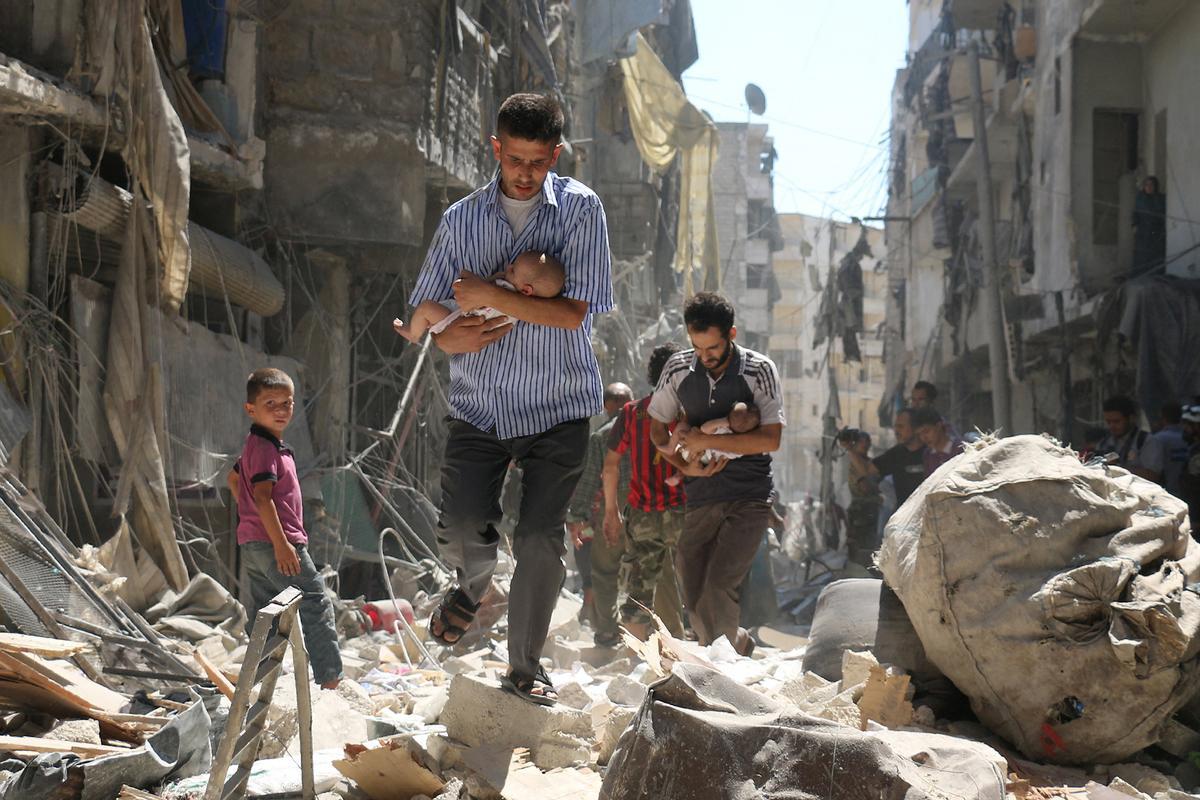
<point>316,612</point>
<point>472,476</point>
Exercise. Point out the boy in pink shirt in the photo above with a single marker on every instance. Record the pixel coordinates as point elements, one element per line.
<point>270,532</point>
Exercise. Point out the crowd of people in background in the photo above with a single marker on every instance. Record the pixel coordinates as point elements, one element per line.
<point>1167,454</point>
<point>924,441</point>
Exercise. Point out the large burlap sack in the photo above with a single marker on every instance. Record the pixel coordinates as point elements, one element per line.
<point>1056,596</point>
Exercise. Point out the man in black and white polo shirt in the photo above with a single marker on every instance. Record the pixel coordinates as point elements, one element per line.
<point>728,501</point>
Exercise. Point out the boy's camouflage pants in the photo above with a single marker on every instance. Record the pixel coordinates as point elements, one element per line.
<point>649,562</point>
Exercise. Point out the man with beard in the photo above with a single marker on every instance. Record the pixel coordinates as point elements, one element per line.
<point>728,501</point>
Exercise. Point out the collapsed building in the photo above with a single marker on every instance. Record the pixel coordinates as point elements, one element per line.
<point>266,175</point>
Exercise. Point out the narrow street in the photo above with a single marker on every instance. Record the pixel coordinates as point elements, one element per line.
<point>599,400</point>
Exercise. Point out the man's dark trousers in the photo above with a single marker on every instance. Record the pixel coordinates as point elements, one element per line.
<point>472,478</point>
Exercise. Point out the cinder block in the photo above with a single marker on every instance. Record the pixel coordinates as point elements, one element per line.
<point>479,712</point>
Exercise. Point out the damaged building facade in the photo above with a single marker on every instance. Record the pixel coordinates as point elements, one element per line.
<point>208,190</point>
<point>819,381</point>
<point>1031,254</point>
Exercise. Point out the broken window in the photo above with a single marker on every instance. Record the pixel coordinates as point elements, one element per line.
<point>1114,154</point>
<point>758,276</point>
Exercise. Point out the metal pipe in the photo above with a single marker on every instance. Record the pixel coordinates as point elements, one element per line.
<point>997,346</point>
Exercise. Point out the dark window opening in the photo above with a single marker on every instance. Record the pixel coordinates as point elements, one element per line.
<point>1114,155</point>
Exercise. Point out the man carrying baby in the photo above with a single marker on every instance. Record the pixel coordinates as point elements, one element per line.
<point>728,501</point>
<point>520,391</point>
<point>533,274</point>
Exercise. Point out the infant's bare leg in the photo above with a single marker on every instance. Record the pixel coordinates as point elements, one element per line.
<point>425,316</point>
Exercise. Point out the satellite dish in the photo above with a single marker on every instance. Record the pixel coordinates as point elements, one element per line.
<point>756,99</point>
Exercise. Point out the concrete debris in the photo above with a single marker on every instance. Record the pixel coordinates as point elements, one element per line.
<point>885,699</point>
<point>479,712</point>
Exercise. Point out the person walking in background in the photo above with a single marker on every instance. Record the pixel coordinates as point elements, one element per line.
<point>1174,447</point>
<point>940,444</point>
<point>585,517</point>
<point>924,395</point>
<point>1127,445</point>
<point>1189,482</point>
<point>728,501</point>
<point>862,516</point>
<point>904,463</point>
<point>653,516</point>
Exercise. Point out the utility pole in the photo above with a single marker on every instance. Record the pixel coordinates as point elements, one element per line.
<point>997,347</point>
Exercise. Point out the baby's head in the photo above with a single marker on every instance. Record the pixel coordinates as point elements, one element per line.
<point>743,418</point>
<point>536,274</point>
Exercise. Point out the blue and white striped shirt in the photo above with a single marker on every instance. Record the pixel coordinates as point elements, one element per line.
<point>536,377</point>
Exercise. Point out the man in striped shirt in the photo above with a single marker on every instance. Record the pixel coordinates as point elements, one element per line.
<point>728,501</point>
<point>522,391</point>
<point>653,519</point>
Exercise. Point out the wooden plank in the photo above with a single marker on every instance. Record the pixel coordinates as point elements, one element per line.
<point>40,645</point>
<point>215,675</point>
<point>33,744</point>
<point>57,679</point>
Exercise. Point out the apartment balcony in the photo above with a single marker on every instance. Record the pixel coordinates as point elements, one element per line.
<point>1140,18</point>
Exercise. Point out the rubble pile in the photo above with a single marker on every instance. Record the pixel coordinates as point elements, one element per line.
<point>858,707</point>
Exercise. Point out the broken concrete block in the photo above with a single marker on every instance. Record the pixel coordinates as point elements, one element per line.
<point>1117,790</point>
<point>430,707</point>
<point>563,654</point>
<point>856,667</point>
<point>479,712</point>
<point>625,691</point>
<point>622,666</point>
<point>885,699</point>
<point>1143,778</point>
<point>572,695</point>
<point>559,750</point>
<point>615,724</point>
<point>454,789</point>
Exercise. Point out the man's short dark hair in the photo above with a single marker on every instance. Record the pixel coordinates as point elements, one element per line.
<point>709,310</point>
<point>1172,413</point>
<point>929,388</point>
<point>267,378</point>
<point>658,360</point>
<point>617,391</point>
<point>1123,404</point>
<point>925,416</point>
<point>536,117</point>
<point>907,411</point>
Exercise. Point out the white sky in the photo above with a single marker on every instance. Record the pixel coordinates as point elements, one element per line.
<point>827,68</point>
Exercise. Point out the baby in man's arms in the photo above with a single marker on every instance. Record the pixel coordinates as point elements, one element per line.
<point>742,418</point>
<point>532,273</point>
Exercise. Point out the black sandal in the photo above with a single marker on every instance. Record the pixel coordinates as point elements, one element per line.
<point>524,688</point>
<point>455,602</point>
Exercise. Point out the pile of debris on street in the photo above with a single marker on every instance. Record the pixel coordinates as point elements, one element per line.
<point>1033,637</point>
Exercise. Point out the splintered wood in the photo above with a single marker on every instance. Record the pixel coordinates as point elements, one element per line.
<point>885,699</point>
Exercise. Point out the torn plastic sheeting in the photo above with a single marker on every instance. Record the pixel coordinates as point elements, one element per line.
<point>700,735</point>
<point>1054,595</point>
<point>269,777</point>
<point>180,748</point>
